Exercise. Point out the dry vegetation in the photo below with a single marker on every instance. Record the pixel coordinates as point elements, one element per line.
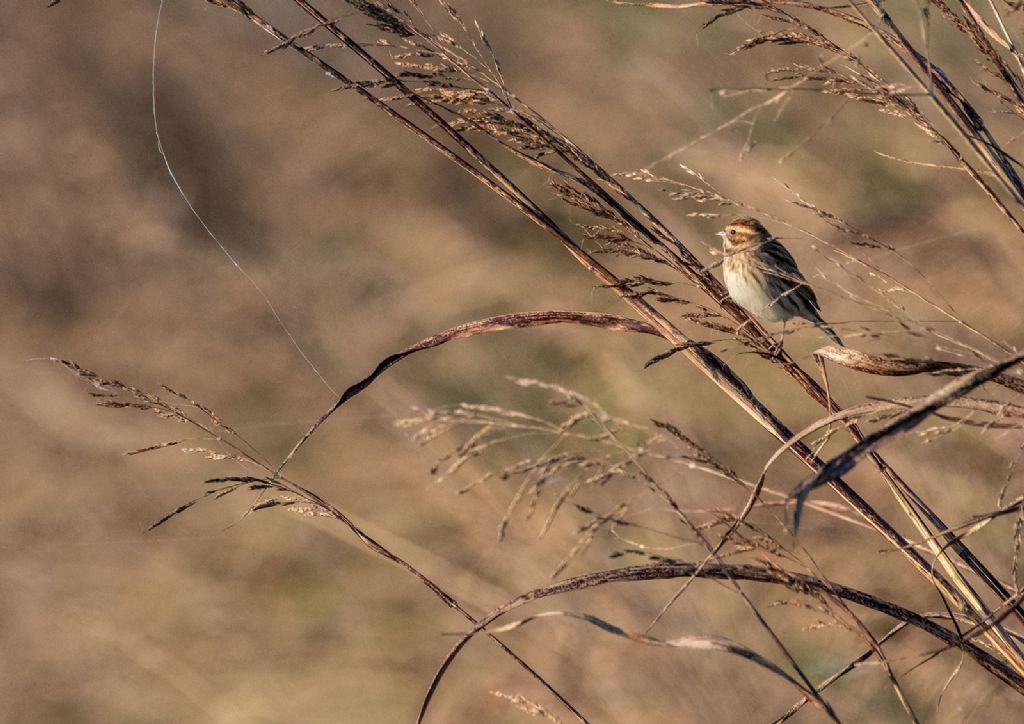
<point>838,528</point>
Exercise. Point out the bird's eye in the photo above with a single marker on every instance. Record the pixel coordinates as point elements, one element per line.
<point>732,232</point>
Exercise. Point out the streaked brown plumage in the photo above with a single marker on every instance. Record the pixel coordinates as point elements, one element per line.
<point>763,278</point>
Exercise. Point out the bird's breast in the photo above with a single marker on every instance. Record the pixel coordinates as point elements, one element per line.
<point>748,287</point>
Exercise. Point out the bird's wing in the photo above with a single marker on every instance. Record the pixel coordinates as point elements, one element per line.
<point>781,260</point>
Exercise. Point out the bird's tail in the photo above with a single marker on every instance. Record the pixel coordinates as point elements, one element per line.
<point>824,327</point>
<point>831,333</point>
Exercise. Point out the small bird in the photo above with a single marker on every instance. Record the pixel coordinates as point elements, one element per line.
<point>763,278</point>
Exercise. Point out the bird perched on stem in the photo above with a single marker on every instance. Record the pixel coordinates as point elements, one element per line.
<point>763,278</point>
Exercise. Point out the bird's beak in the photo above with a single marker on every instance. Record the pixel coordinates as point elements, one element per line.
<point>721,234</point>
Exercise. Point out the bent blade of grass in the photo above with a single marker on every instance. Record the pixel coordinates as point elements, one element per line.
<point>499,323</point>
<point>843,463</point>
<point>693,642</point>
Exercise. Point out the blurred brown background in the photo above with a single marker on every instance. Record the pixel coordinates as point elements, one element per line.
<point>366,240</point>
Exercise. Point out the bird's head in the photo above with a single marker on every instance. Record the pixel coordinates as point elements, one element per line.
<point>741,233</point>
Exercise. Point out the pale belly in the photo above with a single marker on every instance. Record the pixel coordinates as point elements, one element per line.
<point>754,300</point>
